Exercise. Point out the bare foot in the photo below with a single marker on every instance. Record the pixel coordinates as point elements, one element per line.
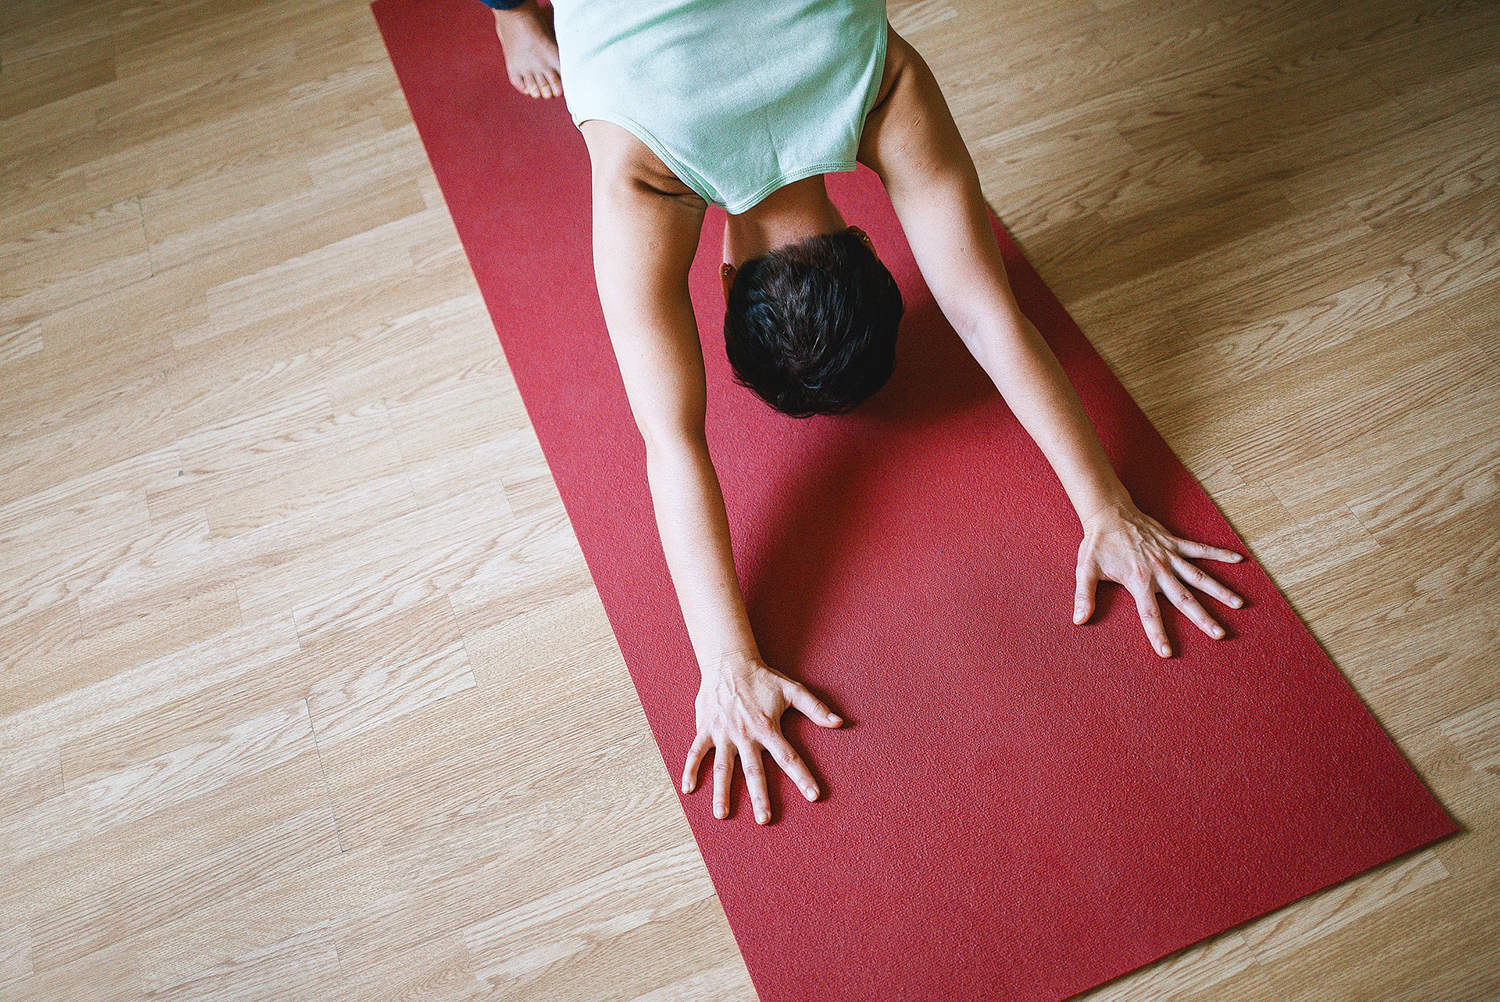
<point>530,50</point>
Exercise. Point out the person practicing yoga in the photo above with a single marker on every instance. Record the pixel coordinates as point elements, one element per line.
<point>747,105</point>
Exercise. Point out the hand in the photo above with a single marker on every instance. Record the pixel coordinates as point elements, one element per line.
<point>1122,544</point>
<point>739,708</point>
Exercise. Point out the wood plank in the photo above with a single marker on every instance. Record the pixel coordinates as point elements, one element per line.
<point>305,691</point>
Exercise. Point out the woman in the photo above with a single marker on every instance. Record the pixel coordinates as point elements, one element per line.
<point>744,104</point>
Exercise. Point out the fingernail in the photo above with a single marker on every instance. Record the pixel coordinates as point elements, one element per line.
<point>1165,650</point>
<point>760,817</point>
<point>718,812</point>
<point>810,793</point>
<point>1239,556</point>
<point>1236,603</point>
<point>1218,631</point>
<point>835,718</point>
<point>686,788</point>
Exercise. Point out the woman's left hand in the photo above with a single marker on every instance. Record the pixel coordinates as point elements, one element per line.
<point>1125,545</point>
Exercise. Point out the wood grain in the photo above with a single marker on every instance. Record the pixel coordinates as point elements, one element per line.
<point>305,690</point>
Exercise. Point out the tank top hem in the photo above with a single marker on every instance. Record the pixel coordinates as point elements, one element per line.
<point>690,177</point>
<point>684,173</point>
<point>750,201</point>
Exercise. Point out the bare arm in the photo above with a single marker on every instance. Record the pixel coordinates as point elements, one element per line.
<point>644,243</point>
<point>912,142</point>
<point>919,154</point>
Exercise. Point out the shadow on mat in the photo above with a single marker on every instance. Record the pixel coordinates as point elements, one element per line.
<point>935,379</point>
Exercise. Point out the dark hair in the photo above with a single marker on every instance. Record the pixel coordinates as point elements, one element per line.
<point>811,326</point>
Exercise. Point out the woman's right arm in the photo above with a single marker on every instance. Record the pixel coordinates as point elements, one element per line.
<point>644,243</point>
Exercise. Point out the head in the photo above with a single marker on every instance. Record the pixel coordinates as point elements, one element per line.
<point>811,326</point>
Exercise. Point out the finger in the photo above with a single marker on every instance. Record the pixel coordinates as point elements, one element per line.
<point>1195,576</point>
<point>555,82</point>
<point>543,87</point>
<point>1145,603</point>
<point>814,708</point>
<point>791,763</point>
<point>755,781</point>
<point>1179,596</point>
<point>701,744</point>
<point>530,85</point>
<point>1189,548</point>
<point>723,772</point>
<point>1087,577</point>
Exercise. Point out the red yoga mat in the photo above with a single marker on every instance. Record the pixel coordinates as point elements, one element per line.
<point>1018,808</point>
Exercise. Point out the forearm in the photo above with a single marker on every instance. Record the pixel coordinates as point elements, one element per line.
<point>694,529</point>
<point>1029,377</point>
<point>948,228</point>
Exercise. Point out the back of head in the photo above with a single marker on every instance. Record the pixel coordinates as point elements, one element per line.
<point>811,326</point>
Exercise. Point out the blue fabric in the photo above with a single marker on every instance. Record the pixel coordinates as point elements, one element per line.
<point>502,4</point>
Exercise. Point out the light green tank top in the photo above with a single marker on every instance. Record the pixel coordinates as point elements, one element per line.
<point>737,97</point>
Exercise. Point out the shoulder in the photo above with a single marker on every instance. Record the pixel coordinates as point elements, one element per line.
<point>908,102</point>
<point>898,53</point>
<point>619,157</point>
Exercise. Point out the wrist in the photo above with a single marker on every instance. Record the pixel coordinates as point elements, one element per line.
<point>1113,503</point>
<point>728,663</point>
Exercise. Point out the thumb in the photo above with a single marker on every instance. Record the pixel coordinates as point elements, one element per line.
<point>1083,593</point>
<point>816,711</point>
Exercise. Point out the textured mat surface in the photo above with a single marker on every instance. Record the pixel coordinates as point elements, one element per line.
<point>1019,808</point>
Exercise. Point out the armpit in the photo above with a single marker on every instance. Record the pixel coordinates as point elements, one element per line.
<point>618,151</point>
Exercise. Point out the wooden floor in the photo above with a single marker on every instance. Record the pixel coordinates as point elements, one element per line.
<point>306,690</point>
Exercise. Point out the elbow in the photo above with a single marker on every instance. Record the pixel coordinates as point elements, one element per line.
<point>667,441</point>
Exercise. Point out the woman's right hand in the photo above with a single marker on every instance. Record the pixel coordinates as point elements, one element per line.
<point>739,708</point>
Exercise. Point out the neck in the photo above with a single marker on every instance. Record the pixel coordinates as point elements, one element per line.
<point>791,213</point>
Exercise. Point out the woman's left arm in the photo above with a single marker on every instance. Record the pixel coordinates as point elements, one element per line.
<point>911,141</point>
